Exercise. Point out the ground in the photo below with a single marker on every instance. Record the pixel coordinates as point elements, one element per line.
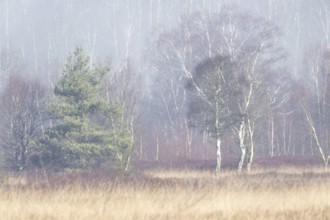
<point>231,163</point>
<point>282,188</point>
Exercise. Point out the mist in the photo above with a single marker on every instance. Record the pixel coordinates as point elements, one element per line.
<point>42,33</point>
<point>36,37</point>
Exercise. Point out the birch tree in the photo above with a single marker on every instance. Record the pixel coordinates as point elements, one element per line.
<point>316,101</point>
<point>249,42</point>
<point>252,43</point>
<point>124,88</point>
<point>211,99</point>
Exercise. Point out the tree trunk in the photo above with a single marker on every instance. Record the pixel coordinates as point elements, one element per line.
<point>314,134</point>
<point>127,163</point>
<point>157,148</point>
<point>141,148</point>
<point>251,135</point>
<point>241,162</point>
<point>272,135</point>
<point>248,166</point>
<point>326,163</point>
<point>218,166</point>
<point>241,135</point>
<point>218,133</point>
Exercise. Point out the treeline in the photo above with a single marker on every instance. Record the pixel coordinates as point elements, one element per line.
<point>219,83</point>
<point>77,124</point>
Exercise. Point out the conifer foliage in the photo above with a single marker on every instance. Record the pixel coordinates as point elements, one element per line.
<point>86,130</point>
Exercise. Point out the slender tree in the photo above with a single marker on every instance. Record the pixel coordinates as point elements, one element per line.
<point>211,99</point>
<point>124,88</point>
<point>315,101</point>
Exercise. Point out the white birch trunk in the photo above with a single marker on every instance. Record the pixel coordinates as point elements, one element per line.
<point>272,146</point>
<point>218,166</point>
<point>241,162</point>
<point>218,134</point>
<point>316,137</point>
<point>251,135</point>
<point>242,146</point>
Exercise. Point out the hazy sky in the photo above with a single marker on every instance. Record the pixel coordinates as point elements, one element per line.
<point>43,32</point>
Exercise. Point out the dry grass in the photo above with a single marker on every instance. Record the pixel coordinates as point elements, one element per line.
<point>160,194</point>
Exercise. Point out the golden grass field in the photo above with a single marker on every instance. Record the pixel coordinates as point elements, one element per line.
<point>284,193</point>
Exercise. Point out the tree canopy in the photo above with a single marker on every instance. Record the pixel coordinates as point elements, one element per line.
<point>86,129</point>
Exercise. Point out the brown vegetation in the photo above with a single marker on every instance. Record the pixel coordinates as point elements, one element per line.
<point>273,193</point>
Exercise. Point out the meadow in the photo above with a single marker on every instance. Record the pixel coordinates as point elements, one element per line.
<point>281,193</point>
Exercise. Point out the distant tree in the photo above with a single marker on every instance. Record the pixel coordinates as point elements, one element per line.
<point>315,100</point>
<point>124,88</point>
<point>212,90</point>
<point>22,111</point>
<point>250,43</point>
<point>86,130</point>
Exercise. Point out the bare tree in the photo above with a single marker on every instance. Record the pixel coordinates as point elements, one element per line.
<point>124,87</point>
<point>316,101</point>
<point>22,112</point>
<point>250,42</point>
<point>253,43</point>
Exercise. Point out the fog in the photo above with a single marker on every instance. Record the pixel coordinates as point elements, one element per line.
<point>43,32</point>
<point>36,36</point>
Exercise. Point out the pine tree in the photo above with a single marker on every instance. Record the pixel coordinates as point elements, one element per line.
<point>86,130</point>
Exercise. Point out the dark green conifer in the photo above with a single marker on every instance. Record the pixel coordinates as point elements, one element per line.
<point>86,130</point>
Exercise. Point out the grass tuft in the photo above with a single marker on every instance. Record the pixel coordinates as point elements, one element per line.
<point>286,193</point>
